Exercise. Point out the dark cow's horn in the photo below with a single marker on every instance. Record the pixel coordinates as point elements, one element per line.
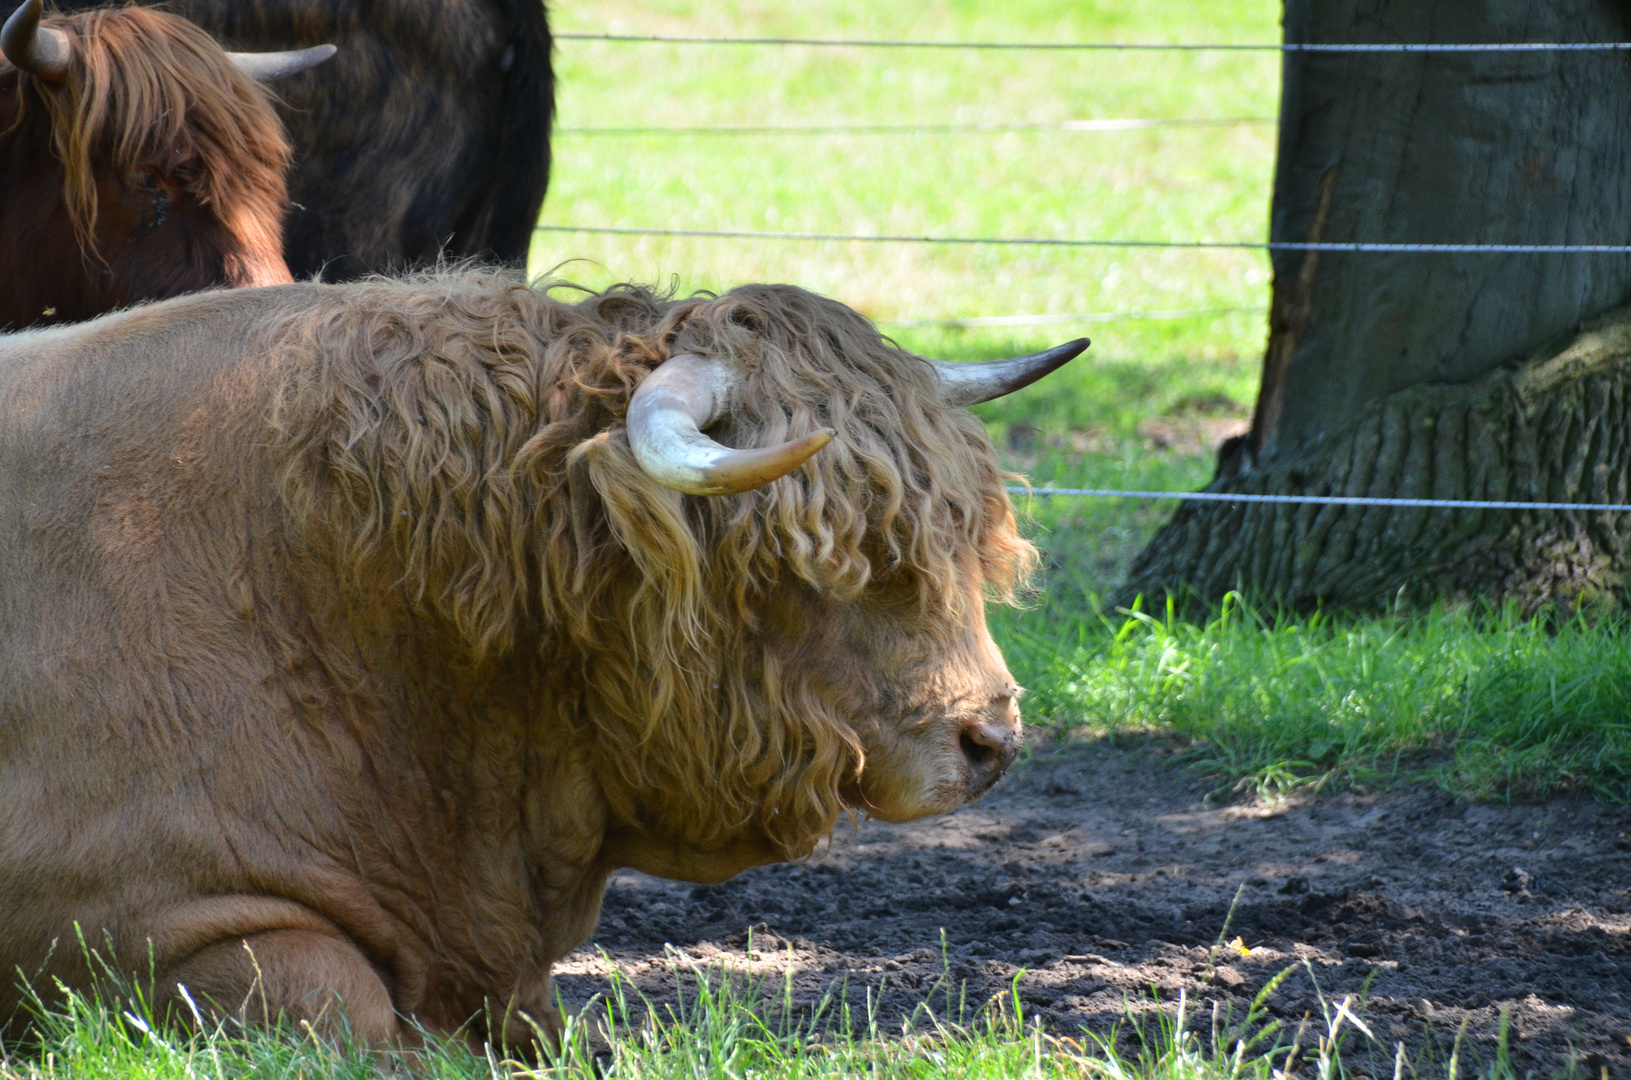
<point>970,384</point>
<point>667,415</point>
<point>266,66</point>
<point>38,50</point>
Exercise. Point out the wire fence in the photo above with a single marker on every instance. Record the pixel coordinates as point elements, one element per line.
<point>1105,125</point>
<point>1126,46</point>
<point>1359,247</point>
<point>1136,314</point>
<point>919,129</point>
<point>1319,500</point>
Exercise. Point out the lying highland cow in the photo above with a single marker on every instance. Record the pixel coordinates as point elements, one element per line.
<point>138,161</point>
<point>351,634</point>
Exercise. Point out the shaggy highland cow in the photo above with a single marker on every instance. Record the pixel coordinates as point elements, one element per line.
<point>137,161</point>
<point>350,635</point>
<point>427,136</point>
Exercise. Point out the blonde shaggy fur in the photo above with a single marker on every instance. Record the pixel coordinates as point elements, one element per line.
<point>465,431</point>
<point>340,622</point>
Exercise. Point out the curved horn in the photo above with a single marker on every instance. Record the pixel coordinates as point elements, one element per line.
<point>970,384</point>
<point>667,415</point>
<point>38,50</point>
<point>266,66</point>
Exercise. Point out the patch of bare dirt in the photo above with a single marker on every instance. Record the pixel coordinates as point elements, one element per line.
<point>1102,874</point>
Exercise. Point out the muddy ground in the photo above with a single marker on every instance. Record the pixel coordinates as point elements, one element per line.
<point>1102,873</point>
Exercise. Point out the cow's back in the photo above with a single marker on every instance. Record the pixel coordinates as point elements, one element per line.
<point>140,711</point>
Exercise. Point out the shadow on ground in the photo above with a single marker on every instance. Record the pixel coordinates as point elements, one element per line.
<point>1102,874</point>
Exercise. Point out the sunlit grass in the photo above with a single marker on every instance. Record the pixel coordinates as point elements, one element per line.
<point>1511,708</point>
<point>1488,704</point>
<point>727,1024</point>
<point>1165,183</point>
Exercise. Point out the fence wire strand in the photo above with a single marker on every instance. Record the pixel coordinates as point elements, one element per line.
<point>1114,46</point>
<point>1319,500</point>
<point>1136,314</point>
<point>1194,245</point>
<point>919,129</point>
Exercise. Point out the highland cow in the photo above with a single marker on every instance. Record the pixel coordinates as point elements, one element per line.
<point>350,635</point>
<point>138,161</point>
<point>428,136</point>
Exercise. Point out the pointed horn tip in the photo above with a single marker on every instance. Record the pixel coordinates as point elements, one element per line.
<point>1060,355</point>
<point>267,66</point>
<point>29,11</point>
<point>1057,357</point>
<point>753,469</point>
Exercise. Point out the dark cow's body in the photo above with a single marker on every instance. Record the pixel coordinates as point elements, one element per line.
<point>428,133</point>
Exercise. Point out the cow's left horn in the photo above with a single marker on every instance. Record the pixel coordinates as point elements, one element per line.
<point>266,66</point>
<point>667,415</point>
<point>38,50</point>
<point>970,384</point>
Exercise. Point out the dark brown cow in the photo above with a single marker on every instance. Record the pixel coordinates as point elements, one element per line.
<point>137,161</point>
<point>428,135</point>
<point>350,635</point>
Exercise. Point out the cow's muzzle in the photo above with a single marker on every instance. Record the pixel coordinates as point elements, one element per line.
<point>989,746</point>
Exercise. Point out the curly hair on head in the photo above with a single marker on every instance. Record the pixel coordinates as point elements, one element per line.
<point>466,432</point>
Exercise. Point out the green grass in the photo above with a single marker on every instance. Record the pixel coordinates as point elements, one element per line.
<point>1487,704</point>
<point>1502,707</point>
<point>1172,183</point>
<point>728,1025</point>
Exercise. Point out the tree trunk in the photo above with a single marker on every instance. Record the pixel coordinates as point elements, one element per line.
<point>1460,376</point>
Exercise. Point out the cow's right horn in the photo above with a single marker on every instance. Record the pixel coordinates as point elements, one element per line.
<point>39,50</point>
<point>667,415</point>
<point>266,66</point>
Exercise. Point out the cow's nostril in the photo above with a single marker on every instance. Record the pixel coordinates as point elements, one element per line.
<point>977,752</point>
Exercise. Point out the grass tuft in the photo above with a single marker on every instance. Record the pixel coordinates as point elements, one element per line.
<point>730,1024</point>
<point>1489,704</point>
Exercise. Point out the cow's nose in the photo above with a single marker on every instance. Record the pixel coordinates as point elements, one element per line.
<point>990,746</point>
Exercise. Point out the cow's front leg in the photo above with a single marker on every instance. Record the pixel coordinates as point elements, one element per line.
<point>288,976</point>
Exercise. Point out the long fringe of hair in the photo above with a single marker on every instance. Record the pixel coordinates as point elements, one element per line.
<point>146,87</point>
<point>468,431</point>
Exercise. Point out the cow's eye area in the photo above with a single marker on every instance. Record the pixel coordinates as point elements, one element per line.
<point>141,178</point>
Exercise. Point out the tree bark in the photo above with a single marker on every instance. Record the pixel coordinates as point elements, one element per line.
<point>1463,376</point>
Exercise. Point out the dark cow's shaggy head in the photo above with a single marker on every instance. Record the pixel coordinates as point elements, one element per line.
<point>137,161</point>
<point>748,666</point>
